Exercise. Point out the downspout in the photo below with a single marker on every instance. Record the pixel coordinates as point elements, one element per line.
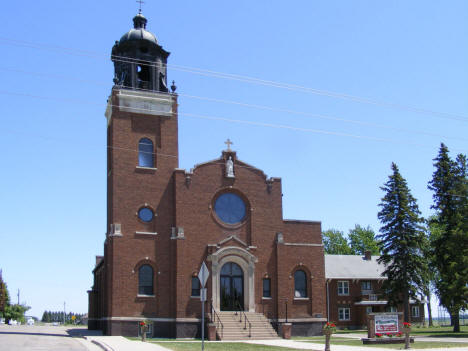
<point>328,303</point>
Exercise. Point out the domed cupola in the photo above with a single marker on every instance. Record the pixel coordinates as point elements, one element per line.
<point>139,61</point>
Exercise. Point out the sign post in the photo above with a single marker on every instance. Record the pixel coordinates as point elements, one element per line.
<point>203,277</point>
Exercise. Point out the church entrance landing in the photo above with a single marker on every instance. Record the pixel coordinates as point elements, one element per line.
<point>231,287</point>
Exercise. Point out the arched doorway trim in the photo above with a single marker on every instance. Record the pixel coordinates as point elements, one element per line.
<point>247,263</point>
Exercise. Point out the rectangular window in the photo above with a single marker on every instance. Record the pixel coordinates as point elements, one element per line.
<point>344,314</point>
<point>368,309</point>
<point>415,311</point>
<point>195,286</point>
<point>366,287</point>
<point>343,287</point>
<point>391,309</point>
<point>266,287</point>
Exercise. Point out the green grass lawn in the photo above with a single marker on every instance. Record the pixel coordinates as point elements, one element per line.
<point>441,332</point>
<point>357,342</point>
<point>436,332</point>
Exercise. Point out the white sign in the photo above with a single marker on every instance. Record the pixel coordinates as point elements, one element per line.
<point>203,274</point>
<point>203,294</point>
<point>386,323</point>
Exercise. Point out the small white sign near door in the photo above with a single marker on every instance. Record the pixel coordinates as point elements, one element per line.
<point>203,274</point>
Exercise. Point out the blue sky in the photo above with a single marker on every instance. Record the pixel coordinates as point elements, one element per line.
<point>374,83</point>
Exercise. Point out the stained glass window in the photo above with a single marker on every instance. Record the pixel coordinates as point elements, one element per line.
<point>145,214</point>
<point>230,208</point>
<point>300,284</point>
<point>145,153</point>
<point>145,280</point>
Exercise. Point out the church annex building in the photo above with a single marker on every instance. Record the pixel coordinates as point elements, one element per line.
<point>163,222</point>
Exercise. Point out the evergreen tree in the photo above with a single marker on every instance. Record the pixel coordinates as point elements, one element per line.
<point>4,296</point>
<point>335,243</point>
<point>450,244</point>
<point>363,239</point>
<point>401,238</point>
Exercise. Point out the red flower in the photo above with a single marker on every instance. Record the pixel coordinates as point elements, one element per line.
<point>378,335</point>
<point>142,323</point>
<point>333,325</point>
<point>406,324</point>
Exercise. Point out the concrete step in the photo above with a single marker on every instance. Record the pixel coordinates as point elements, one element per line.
<point>260,327</point>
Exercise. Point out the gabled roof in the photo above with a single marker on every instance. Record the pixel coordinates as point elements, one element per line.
<point>352,267</point>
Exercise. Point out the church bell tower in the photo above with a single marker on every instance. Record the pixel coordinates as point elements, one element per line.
<point>139,62</point>
<point>142,153</point>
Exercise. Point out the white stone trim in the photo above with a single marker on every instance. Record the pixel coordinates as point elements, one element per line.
<point>147,233</point>
<point>246,261</point>
<point>137,319</point>
<point>139,102</point>
<point>298,320</point>
<point>232,237</point>
<point>302,244</point>
<point>150,296</point>
<point>148,168</point>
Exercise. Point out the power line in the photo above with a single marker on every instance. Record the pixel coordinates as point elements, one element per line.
<point>242,78</point>
<point>159,154</point>
<point>218,118</point>
<point>255,106</point>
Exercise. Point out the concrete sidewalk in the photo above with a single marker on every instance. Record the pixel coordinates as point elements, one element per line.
<point>119,343</point>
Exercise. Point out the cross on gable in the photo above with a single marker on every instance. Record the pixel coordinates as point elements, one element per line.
<point>140,2</point>
<point>228,143</point>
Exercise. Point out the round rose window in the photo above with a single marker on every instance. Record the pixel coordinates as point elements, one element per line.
<point>145,214</point>
<point>230,208</point>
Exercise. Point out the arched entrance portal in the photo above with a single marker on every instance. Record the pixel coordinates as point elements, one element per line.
<point>231,287</point>
<point>243,259</point>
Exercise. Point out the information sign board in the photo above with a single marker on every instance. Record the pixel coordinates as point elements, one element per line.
<point>386,323</point>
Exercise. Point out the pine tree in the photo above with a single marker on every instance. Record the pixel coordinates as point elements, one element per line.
<point>4,297</point>
<point>401,238</point>
<point>450,245</point>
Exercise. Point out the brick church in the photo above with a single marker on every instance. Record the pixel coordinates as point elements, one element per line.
<point>163,222</point>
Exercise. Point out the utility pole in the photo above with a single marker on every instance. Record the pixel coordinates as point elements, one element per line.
<point>63,312</point>
<point>18,295</point>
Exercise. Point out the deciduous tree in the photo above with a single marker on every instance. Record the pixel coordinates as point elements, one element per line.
<point>363,239</point>
<point>335,243</point>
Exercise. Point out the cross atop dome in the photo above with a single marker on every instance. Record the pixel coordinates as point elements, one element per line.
<point>228,143</point>
<point>140,2</point>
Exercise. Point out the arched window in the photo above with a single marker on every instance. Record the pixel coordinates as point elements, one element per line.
<point>300,284</point>
<point>195,286</point>
<point>145,153</point>
<point>145,280</point>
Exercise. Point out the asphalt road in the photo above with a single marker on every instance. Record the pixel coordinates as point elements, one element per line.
<point>43,338</point>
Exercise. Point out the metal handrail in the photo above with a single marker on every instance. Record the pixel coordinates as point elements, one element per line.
<point>246,320</point>
<point>216,319</point>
